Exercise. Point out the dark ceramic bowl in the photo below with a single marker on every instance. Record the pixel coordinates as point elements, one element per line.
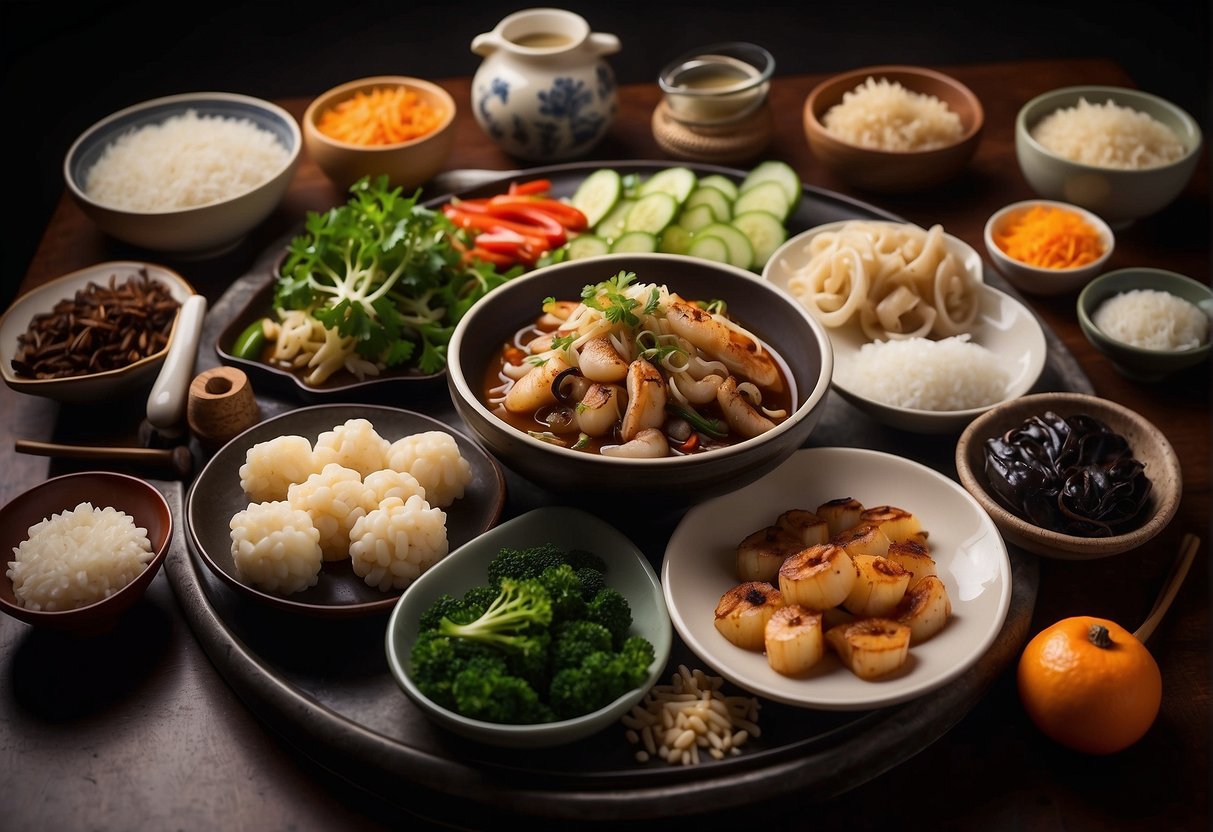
<point>137,498</point>
<point>769,312</point>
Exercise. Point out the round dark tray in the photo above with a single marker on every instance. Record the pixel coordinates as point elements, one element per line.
<point>324,686</point>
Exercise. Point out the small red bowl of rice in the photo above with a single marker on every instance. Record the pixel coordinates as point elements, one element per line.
<point>81,549</point>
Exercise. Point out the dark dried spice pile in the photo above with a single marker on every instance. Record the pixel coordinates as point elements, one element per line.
<point>1070,475</point>
<point>101,328</point>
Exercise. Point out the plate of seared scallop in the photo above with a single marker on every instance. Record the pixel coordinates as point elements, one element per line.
<point>846,579</point>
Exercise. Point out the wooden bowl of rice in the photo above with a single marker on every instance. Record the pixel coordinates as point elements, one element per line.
<point>893,129</point>
<point>82,549</point>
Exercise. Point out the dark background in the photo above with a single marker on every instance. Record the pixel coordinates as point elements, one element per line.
<point>66,65</point>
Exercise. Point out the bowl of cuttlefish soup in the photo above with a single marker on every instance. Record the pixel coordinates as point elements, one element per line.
<point>654,419</point>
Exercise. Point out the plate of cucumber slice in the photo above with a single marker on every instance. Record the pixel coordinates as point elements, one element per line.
<point>736,216</point>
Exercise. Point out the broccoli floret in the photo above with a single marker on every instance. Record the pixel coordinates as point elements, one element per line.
<point>601,678</point>
<point>478,598</point>
<point>637,653</point>
<point>485,690</point>
<point>436,659</point>
<point>448,606</point>
<point>523,564</point>
<point>591,580</point>
<point>564,588</point>
<point>611,609</point>
<point>521,609</point>
<point>575,640</point>
<point>583,559</point>
<point>530,658</point>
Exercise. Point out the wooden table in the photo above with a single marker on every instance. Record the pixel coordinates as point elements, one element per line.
<point>139,731</point>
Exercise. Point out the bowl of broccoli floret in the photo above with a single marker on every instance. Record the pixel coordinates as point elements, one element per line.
<point>543,631</point>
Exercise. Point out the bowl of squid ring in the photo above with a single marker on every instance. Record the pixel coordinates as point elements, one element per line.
<point>655,377</point>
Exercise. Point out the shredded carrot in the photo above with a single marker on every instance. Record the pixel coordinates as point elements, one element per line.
<point>385,115</point>
<point>1050,237</point>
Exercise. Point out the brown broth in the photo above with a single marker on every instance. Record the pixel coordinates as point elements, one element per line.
<point>495,383</point>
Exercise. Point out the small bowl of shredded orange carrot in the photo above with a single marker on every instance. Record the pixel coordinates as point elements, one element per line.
<point>389,124</point>
<point>1044,247</point>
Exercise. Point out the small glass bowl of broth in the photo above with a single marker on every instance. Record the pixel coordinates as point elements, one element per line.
<point>719,83</point>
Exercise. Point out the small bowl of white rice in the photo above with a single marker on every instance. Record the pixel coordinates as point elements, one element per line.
<point>1122,153</point>
<point>81,549</point>
<point>187,175</point>
<point>1149,323</point>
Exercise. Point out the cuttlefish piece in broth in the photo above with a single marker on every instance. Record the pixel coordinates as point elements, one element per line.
<point>599,361</point>
<point>741,416</point>
<point>534,390</point>
<point>741,354</point>
<point>646,399</point>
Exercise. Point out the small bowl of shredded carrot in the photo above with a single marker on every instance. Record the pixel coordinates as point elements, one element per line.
<point>1044,247</point>
<point>387,124</point>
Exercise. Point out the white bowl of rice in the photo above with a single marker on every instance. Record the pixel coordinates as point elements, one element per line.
<point>1121,153</point>
<point>920,342</point>
<point>81,549</point>
<point>186,175</point>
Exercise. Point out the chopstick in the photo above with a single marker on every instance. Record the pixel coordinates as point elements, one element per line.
<point>1179,571</point>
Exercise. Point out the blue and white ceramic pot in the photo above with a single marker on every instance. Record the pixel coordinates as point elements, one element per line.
<point>544,91</point>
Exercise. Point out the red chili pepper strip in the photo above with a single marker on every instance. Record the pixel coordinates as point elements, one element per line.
<point>691,443</point>
<point>568,216</point>
<point>478,253</point>
<point>535,186</point>
<point>539,238</point>
<point>539,222</point>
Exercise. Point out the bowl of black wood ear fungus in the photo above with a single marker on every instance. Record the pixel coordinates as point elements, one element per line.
<point>1070,475</point>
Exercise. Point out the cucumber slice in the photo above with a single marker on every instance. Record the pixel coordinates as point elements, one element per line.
<point>741,253</point>
<point>721,205</point>
<point>611,226</point>
<point>765,196</point>
<point>587,245</point>
<point>636,241</point>
<point>597,194</point>
<point>764,231</point>
<point>721,183</point>
<point>696,217</point>
<point>651,213</point>
<point>677,182</point>
<point>674,240</point>
<point>709,248</point>
<point>775,171</point>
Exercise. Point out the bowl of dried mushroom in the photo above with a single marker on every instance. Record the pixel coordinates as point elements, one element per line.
<point>93,334</point>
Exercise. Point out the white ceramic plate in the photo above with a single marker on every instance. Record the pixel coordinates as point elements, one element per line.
<point>700,566</point>
<point>628,570</point>
<point>1004,326</point>
<point>94,387</point>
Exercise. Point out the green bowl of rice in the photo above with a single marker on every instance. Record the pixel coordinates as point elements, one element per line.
<point>1149,323</point>
<point>82,549</point>
<point>1122,153</point>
